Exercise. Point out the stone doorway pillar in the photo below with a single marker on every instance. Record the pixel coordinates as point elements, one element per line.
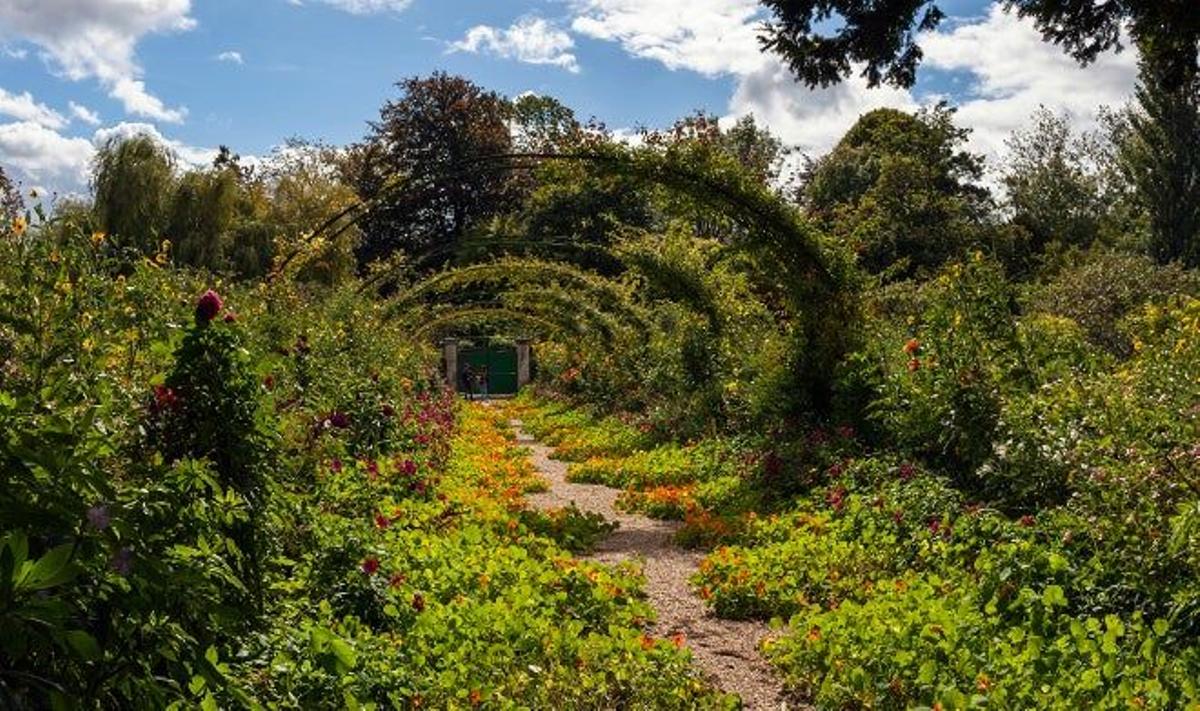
<point>450,356</point>
<point>524,372</point>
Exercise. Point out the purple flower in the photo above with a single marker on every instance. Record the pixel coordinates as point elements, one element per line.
<point>208,307</point>
<point>98,517</point>
<point>122,561</point>
<point>339,420</point>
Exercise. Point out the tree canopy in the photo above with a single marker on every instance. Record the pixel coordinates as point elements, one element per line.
<point>439,125</point>
<point>883,36</point>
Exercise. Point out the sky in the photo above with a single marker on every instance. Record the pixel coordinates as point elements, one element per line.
<point>250,74</point>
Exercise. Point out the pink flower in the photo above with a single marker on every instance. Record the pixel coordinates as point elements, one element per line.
<point>335,466</point>
<point>1027,521</point>
<point>409,467</point>
<point>208,307</point>
<point>230,316</point>
<point>907,471</point>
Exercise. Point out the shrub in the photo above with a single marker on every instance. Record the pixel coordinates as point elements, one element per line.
<point>1102,288</point>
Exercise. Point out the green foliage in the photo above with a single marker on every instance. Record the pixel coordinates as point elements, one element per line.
<point>1056,184</point>
<point>900,191</point>
<point>133,180</point>
<point>1160,154</point>
<point>208,409</point>
<point>1101,288</point>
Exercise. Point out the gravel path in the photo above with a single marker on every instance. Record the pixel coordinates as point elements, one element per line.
<point>727,651</point>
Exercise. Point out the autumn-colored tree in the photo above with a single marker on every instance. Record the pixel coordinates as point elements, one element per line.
<point>425,169</point>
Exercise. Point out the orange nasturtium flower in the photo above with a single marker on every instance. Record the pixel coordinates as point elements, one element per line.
<point>912,346</point>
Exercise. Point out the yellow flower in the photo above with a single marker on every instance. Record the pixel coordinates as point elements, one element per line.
<point>98,238</point>
<point>19,226</point>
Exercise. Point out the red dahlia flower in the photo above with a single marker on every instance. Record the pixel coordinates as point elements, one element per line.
<point>208,307</point>
<point>370,566</point>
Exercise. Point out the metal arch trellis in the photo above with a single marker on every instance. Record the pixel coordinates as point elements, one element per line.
<point>818,281</point>
<point>754,207</point>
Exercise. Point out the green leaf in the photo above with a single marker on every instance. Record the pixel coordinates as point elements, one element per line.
<point>1053,596</point>
<point>344,653</point>
<point>52,569</point>
<point>84,644</point>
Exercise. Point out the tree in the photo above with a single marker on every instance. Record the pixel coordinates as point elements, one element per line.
<point>1054,184</point>
<point>1160,155</point>
<point>881,35</point>
<point>542,124</point>
<point>133,180</point>
<point>757,149</point>
<point>900,190</point>
<point>11,204</point>
<point>434,139</point>
<point>202,216</point>
<point>302,188</point>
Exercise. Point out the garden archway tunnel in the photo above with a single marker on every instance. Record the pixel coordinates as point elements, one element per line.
<point>817,280</point>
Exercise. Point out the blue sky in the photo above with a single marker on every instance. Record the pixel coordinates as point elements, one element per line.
<point>73,72</point>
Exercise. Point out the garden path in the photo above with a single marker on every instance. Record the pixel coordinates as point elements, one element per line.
<point>726,650</point>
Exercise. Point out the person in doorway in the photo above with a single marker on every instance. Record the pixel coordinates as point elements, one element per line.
<point>483,381</point>
<point>468,376</point>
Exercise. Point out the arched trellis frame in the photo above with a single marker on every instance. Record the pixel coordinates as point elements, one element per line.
<point>817,279</point>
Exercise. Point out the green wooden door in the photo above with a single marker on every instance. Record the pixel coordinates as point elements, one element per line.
<point>499,363</point>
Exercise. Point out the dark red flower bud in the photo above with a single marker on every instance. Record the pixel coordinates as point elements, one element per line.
<point>370,566</point>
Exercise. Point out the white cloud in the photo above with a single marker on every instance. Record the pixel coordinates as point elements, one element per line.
<point>17,53</point>
<point>1010,71</point>
<point>230,56</point>
<point>23,108</point>
<point>96,39</point>
<point>42,153</point>
<point>363,7</point>
<point>84,114</point>
<point>712,37</point>
<point>531,40</point>
<point>812,120</point>
<point>132,93</point>
<point>1014,72</point>
<point>45,156</point>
